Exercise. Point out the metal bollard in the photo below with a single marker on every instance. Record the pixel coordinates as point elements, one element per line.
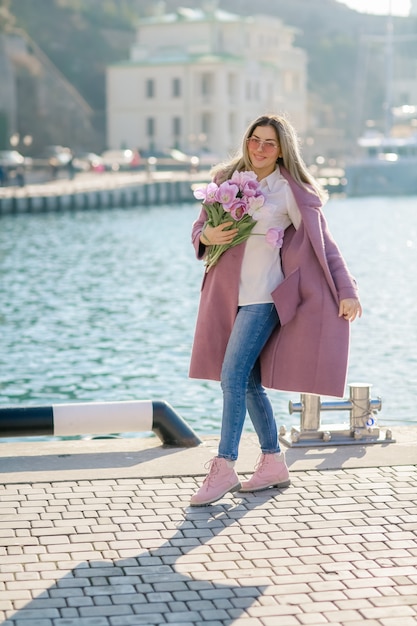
<point>362,423</point>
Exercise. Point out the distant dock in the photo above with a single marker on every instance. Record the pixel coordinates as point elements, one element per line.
<point>101,190</point>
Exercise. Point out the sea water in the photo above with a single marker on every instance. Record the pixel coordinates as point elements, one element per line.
<point>100,305</point>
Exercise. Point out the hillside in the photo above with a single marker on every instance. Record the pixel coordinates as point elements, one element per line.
<point>81,37</point>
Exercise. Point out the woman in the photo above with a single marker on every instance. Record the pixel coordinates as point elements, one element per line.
<point>269,317</point>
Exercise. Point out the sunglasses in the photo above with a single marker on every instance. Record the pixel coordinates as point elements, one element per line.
<point>267,145</point>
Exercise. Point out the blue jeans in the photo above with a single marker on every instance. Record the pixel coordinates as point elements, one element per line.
<point>241,381</point>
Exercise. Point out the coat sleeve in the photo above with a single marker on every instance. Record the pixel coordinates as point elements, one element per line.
<point>345,283</point>
<point>341,282</point>
<point>198,225</point>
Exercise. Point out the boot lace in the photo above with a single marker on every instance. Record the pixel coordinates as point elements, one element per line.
<point>260,463</point>
<point>212,467</point>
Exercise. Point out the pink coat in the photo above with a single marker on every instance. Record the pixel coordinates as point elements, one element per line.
<point>308,353</point>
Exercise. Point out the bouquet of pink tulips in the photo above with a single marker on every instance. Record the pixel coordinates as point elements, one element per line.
<point>236,200</point>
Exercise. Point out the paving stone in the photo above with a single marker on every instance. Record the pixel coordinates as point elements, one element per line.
<point>338,547</point>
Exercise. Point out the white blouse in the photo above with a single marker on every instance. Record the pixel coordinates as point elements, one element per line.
<point>261,269</point>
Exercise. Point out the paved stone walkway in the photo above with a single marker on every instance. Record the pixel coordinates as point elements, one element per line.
<point>337,548</point>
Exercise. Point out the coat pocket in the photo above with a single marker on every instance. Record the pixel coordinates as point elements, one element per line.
<point>287,297</point>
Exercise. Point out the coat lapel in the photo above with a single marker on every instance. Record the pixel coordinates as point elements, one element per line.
<point>312,221</point>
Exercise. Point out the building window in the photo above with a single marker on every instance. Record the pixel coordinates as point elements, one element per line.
<point>297,82</point>
<point>176,87</point>
<point>220,41</point>
<point>176,132</point>
<point>206,123</point>
<point>176,126</point>
<point>150,127</point>
<point>150,88</point>
<point>270,96</point>
<point>291,82</point>
<point>231,86</point>
<point>207,84</point>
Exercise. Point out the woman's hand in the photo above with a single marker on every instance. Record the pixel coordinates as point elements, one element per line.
<point>350,308</point>
<point>213,235</point>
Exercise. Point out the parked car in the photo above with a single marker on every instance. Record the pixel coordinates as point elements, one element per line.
<point>115,160</point>
<point>12,168</point>
<point>89,162</point>
<point>57,156</point>
<point>11,159</point>
<point>170,160</point>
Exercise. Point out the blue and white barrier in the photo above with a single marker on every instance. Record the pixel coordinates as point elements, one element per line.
<point>98,418</point>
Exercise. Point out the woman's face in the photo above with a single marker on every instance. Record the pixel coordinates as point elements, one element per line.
<point>263,150</point>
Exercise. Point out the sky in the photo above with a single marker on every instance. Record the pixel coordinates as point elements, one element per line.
<point>380,7</point>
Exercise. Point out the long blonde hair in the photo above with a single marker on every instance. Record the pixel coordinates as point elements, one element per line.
<point>291,158</point>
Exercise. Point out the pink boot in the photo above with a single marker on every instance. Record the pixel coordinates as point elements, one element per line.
<point>270,471</point>
<point>220,479</point>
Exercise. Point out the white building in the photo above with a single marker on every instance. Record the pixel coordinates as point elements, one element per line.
<point>197,77</point>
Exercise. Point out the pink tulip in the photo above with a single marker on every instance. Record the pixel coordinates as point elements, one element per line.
<point>207,194</point>
<point>226,194</point>
<point>275,237</point>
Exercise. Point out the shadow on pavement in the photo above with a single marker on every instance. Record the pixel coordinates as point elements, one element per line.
<point>147,589</point>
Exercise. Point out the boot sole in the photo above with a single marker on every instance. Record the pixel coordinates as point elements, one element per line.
<point>282,485</point>
<point>231,490</point>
